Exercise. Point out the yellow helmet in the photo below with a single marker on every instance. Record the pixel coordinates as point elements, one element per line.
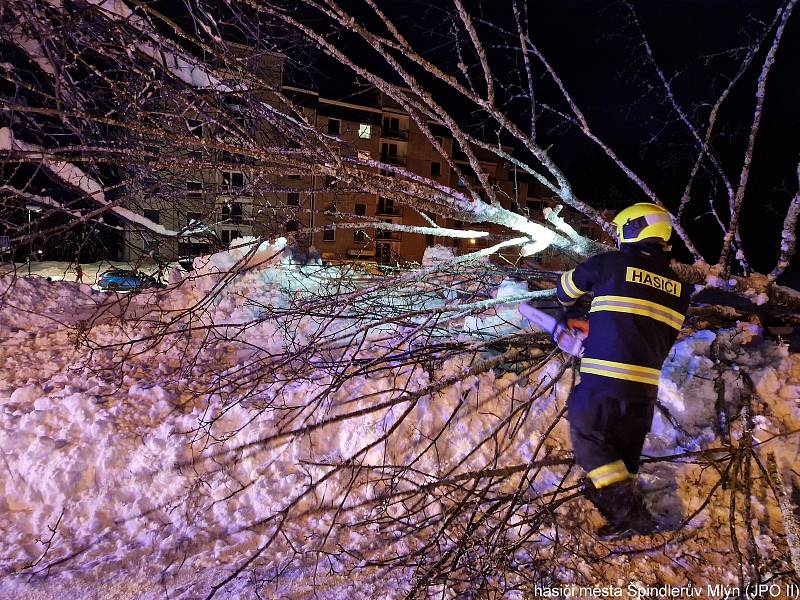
<point>641,221</point>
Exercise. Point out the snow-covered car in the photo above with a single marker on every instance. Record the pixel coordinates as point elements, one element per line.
<point>126,280</point>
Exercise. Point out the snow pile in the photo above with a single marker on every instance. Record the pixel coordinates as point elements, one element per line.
<point>184,457</point>
<point>437,254</point>
<point>505,319</point>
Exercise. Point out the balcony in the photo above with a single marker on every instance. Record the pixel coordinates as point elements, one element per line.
<point>395,134</point>
<point>231,218</point>
<point>389,211</point>
<point>383,235</point>
<point>387,208</point>
<point>390,159</point>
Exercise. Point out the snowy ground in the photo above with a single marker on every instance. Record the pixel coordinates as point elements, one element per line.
<point>64,271</point>
<point>140,478</point>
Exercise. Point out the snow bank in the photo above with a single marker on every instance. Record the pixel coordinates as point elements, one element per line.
<point>437,254</point>
<point>163,469</point>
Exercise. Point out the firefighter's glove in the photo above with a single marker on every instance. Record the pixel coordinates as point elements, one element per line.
<point>580,326</point>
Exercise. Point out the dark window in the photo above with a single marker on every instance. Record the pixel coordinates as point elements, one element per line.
<point>430,240</point>
<point>292,226</point>
<point>361,210</point>
<point>439,140</point>
<point>383,253</point>
<point>232,211</point>
<point>228,235</point>
<point>195,188</point>
<point>194,218</point>
<point>386,234</point>
<point>293,198</point>
<point>237,110</point>
<point>195,127</point>
<point>329,234</point>
<point>152,214</point>
<point>391,125</point>
<point>334,126</point>
<point>388,150</point>
<point>534,207</point>
<point>386,206</point>
<point>436,168</point>
<point>359,235</point>
<point>330,181</point>
<point>232,179</point>
<point>294,176</point>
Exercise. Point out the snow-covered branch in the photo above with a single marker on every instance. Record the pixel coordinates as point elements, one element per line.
<point>73,176</point>
<point>760,95</point>
<point>789,233</point>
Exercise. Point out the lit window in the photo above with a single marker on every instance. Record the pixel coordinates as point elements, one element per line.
<point>364,131</point>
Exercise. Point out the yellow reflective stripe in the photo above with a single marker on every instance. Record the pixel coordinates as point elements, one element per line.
<point>569,287</point>
<point>645,312</point>
<point>617,370</point>
<point>625,376</point>
<point>608,474</point>
<point>637,306</point>
<point>619,365</point>
<point>641,302</point>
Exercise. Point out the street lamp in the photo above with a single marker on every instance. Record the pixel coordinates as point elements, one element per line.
<point>31,208</point>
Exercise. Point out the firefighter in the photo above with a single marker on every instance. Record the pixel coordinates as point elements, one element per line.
<point>638,308</point>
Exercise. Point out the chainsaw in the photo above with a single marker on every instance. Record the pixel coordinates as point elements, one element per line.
<point>568,335</point>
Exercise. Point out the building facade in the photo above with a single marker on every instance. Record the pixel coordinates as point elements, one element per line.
<point>220,203</point>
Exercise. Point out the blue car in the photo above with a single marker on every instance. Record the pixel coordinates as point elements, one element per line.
<point>123,280</point>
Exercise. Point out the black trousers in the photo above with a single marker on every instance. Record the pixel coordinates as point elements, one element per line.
<point>606,428</point>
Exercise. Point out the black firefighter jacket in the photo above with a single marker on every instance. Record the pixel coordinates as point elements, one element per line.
<point>637,311</point>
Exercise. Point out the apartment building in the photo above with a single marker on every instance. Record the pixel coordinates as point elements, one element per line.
<point>221,204</point>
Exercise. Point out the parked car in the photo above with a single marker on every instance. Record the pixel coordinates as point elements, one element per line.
<point>126,280</point>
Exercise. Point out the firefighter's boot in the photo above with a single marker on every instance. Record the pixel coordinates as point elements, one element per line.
<point>624,510</point>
